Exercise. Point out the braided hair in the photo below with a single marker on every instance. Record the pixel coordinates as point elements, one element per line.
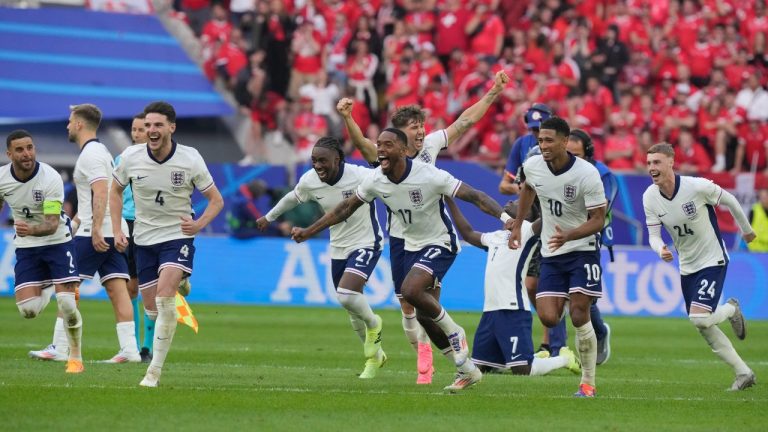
<point>333,144</point>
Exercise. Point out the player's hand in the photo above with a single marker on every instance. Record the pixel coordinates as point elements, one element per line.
<point>121,241</point>
<point>189,226</point>
<point>666,254</point>
<point>97,238</point>
<point>501,79</point>
<point>748,237</point>
<point>509,224</point>
<point>558,239</point>
<point>262,223</point>
<point>299,234</point>
<point>344,107</point>
<point>514,237</point>
<point>22,229</point>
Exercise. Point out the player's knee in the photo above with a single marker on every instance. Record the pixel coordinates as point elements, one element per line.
<point>346,297</point>
<point>67,303</point>
<point>31,307</point>
<point>701,321</point>
<point>549,318</point>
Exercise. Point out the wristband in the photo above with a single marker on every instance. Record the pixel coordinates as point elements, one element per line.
<point>505,217</point>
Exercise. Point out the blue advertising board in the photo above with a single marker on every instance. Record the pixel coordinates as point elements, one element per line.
<point>276,271</point>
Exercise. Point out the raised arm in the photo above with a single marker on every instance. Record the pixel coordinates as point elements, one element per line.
<point>473,114</point>
<point>481,200</point>
<point>366,147</point>
<point>465,229</point>
<point>342,212</point>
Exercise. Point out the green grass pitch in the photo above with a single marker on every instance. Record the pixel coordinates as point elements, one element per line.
<point>280,368</point>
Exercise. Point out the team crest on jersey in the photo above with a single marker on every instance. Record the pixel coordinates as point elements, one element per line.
<point>37,195</point>
<point>347,193</point>
<point>177,178</point>
<point>689,209</point>
<point>416,197</point>
<point>425,157</point>
<point>570,193</point>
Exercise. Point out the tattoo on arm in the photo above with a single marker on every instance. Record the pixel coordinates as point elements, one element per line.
<point>491,96</point>
<point>480,199</point>
<point>463,124</point>
<point>47,227</point>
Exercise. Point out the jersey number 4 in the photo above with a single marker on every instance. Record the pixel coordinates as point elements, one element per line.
<point>159,199</point>
<point>683,231</point>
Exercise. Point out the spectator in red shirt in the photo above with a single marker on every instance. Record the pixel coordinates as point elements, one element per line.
<point>404,88</point>
<point>307,128</point>
<point>449,30</point>
<point>688,21</point>
<point>644,142</point>
<point>620,148</point>
<point>361,68</point>
<point>307,47</point>
<point>217,28</point>
<point>198,12</point>
<point>690,157</point>
<point>421,20</point>
<point>485,30</point>
<point>752,150</point>
<point>678,115</point>
<point>231,59</point>
<point>700,58</point>
<point>737,70</point>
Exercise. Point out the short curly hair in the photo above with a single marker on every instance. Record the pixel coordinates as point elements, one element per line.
<point>405,114</point>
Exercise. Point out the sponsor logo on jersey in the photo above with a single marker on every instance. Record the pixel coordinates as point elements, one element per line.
<point>347,193</point>
<point>177,178</point>
<point>570,193</point>
<point>416,197</point>
<point>689,209</point>
<point>37,195</point>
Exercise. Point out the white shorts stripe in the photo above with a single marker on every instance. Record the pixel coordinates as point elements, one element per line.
<point>179,266</point>
<point>114,276</point>
<point>423,267</point>
<point>31,284</point>
<point>357,272</point>
<point>148,285</point>
<point>703,306</point>
<point>517,363</point>
<point>585,291</point>
<point>551,294</point>
<point>485,363</point>
<point>66,280</point>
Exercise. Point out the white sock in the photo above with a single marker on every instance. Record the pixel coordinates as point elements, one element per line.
<point>722,313</point>
<point>446,323</point>
<point>60,340</point>
<point>423,336</point>
<point>358,326</point>
<point>126,336</point>
<point>586,343</point>
<point>722,346</point>
<point>356,304</point>
<point>412,329</point>
<point>543,366</point>
<point>450,355</point>
<point>165,328</point>
<point>73,323</point>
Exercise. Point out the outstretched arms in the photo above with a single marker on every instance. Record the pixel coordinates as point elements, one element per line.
<point>465,229</point>
<point>473,114</point>
<point>342,212</point>
<point>366,147</point>
<point>481,200</point>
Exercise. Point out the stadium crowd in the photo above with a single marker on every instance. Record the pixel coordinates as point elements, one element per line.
<point>630,72</point>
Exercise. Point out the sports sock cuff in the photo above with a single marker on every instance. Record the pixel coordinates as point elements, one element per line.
<point>345,291</point>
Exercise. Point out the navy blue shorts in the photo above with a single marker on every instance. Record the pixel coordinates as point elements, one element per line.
<point>503,339</point>
<point>434,260</point>
<point>397,263</point>
<point>562,275</point>
<point>703,288</point>
<point>150,260</point>
<point>361,262</point>
<point>43,265</point>
<point>110,264</point>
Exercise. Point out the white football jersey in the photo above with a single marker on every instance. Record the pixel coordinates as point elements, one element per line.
<point>162,190</point>
<point>565,199</point>
<point>432,145</point>
<point>26,201</point>
<point>689,217</point>
<point>417,201</point>
<point>505,269</point>
<point>94,163</point>
<point>362,229</point>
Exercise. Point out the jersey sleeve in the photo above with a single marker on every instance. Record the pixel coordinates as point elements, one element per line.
<point>301,191</point>
<point>709,190</point>
<point>526,233</point>
<point>594,194</point>
<point>445,183</point>
<point>650,215</point>
<point>485,239</point>
<point>120,173</point>
<point>201,177</point>
<point>366,190</point>
<point>54,189</point>
<point>93,168</point>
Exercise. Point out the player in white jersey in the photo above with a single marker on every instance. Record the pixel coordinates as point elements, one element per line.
<point>685,207</point>
<point>573,207</point>
<point>355,243</point>
<point>410,119</point>
<point>94,245</point>
<point>413,191</point>
<point>44,248</point>
<point>163,175</point>
<point>503,338</point>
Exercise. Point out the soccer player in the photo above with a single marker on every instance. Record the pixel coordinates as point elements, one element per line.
<point>94,243</point>
<point>522,146</point>
<point>138,136</point>
<point>503,338</point>
<point>413,191</point>
<point>686,208</point>
<point>410,119</point>
<point>355,244</point>
<point>45,253</point>
<point>580,145</point>
<point>573,205</point>
<point>163,175</point>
